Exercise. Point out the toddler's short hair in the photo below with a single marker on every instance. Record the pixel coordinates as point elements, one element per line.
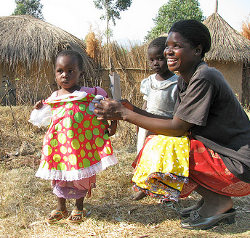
<point>72,53</point>
<point>159,42</point>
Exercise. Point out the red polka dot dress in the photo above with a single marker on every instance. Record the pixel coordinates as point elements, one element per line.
<point>76,145</point>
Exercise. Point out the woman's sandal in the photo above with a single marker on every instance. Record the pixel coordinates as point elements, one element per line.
<point>186,211</point>
<point>77,215</point>
<point>57,215</point>
<point>196,221</point>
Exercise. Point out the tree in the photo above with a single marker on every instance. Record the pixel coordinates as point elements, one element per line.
<point>173,11</point>
<point>112,10</point>
<point>29,7</point>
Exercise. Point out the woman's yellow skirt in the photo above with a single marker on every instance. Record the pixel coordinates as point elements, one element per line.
<point>162,166</point>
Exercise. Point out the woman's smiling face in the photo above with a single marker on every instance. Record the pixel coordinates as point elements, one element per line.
<point>180,54</point>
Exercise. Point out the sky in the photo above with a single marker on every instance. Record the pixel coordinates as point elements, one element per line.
<point>79,16</point>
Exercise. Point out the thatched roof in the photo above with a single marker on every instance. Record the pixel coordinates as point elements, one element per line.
<point>27,41</point>
<point>227,43</point>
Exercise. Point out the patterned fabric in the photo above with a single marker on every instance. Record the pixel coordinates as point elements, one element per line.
<point>208,170</point>
<point>73,189</point>
<point>69,192</point>
<point>75,145</point>
<point>162,166</point>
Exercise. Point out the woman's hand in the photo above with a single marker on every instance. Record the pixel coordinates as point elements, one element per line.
<point>38,105</point>
<point>110,109</point>
<point>112,128</point>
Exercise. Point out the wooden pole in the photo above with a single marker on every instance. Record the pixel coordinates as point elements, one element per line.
<point>216,6</point>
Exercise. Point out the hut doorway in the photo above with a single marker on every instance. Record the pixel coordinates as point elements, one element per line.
<point>7,92</point>
<point>246,85</point>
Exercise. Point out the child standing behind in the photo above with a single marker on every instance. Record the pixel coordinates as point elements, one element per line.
<point>159,90</point>
<point>76,145</point>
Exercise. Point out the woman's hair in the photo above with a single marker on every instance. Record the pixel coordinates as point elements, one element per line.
<point>74,54</point>
<point>159,42</point>
<point>195,32</point>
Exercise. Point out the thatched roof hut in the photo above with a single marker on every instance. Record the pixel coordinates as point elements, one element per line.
<point>230,53</point>
<point>227,43</point>
<point>28,47</point>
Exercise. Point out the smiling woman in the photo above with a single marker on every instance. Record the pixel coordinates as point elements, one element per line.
<point>208,111</point>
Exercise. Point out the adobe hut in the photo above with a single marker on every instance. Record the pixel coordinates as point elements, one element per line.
<point>230,53</point>
<point>28,47</point>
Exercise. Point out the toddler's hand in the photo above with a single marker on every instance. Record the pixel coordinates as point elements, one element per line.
<point>38,105</point>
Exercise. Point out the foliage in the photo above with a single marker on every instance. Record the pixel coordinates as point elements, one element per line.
<point>29,7</point>
<point>112,8</point>
<point>171,12</point>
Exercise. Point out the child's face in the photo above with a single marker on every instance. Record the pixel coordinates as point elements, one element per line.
<point>67,72</point>
<point>157,61</point>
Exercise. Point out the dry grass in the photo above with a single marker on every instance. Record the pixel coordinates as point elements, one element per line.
<point>25,200</point>
<point>27,42</point>
<point>248,113</point>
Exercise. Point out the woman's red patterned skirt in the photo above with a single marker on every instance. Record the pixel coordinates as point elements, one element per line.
<point>206,168</point>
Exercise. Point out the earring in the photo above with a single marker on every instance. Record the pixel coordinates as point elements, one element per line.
<point>197,51</point>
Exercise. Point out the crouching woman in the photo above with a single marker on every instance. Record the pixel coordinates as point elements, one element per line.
<point>218,127</point>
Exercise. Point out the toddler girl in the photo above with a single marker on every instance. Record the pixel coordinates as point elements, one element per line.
<point>76,145</point>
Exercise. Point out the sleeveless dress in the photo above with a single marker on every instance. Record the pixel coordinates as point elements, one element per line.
<point>76,146</point>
